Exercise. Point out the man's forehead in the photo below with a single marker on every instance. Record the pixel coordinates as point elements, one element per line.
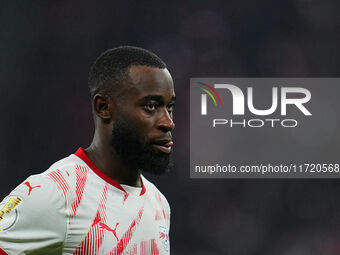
<point>144,80</point>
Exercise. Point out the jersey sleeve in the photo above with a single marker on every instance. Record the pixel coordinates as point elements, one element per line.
<point>33,218</point>
<point>166,211</point>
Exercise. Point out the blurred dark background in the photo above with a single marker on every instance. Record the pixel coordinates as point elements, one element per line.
<point>47,48</point>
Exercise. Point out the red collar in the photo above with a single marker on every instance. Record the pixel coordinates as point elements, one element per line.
<point>82,155</point>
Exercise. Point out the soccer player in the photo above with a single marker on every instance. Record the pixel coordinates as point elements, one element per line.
<point>96,201</point>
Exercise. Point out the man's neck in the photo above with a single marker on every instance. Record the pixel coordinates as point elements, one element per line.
<point>104,158</point>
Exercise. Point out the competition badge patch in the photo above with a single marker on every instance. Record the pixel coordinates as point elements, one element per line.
<point>8,213</point>
<point>163,235</point>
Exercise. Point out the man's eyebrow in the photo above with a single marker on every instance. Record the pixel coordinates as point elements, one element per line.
<point>156,98</point>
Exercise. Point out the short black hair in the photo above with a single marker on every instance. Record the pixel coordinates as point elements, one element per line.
<point>112,66</point>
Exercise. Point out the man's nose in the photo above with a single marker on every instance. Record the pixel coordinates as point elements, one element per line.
<point>166,122</point>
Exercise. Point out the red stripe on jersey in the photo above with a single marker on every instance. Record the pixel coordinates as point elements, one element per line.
<point>81,177</point>
<point>2,252</point>
<point>132,251</point>
<point>154,248</point>
<point>143,248</point>
<point>124,241</point>
<point>158,215</point>
<point>94,238</point>
<point>158,196</point>
<point>161,215</point>
<point>62,184</point>
<point>149,247</point>
<point>126,195</point>
<point>82,155</point>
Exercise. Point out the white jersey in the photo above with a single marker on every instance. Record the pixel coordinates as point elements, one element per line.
<point>74,208</point>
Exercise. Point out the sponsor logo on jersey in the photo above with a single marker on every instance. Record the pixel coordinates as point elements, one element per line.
<point>8,213</point>
<point>106,227</point>
<point>163,235</point>
<point>30,188</point>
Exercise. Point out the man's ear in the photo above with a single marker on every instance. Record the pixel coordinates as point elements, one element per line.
<point>103,107</point>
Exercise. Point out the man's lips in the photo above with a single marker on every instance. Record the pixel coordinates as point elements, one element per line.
<point>163,145</point>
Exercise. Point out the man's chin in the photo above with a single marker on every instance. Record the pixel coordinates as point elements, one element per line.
<point>158,165</point>
<point>137,152</point>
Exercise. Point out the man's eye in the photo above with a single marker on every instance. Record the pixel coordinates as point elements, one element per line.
<point>170,108</point>
<point>150,107</point>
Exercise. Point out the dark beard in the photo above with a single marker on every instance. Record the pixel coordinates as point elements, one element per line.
<point>135,151</point>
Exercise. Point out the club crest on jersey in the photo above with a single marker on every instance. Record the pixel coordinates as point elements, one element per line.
<point>163,235</point>
<point>8,213</point>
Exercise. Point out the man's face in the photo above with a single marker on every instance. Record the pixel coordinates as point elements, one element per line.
<point>143,120</point>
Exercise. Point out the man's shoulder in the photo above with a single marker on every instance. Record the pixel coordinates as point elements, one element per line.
<point>61,176</point>
<point>65,165</point>
<point>155,192</point>
<point>44,180</point>
<point>65,169</point>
